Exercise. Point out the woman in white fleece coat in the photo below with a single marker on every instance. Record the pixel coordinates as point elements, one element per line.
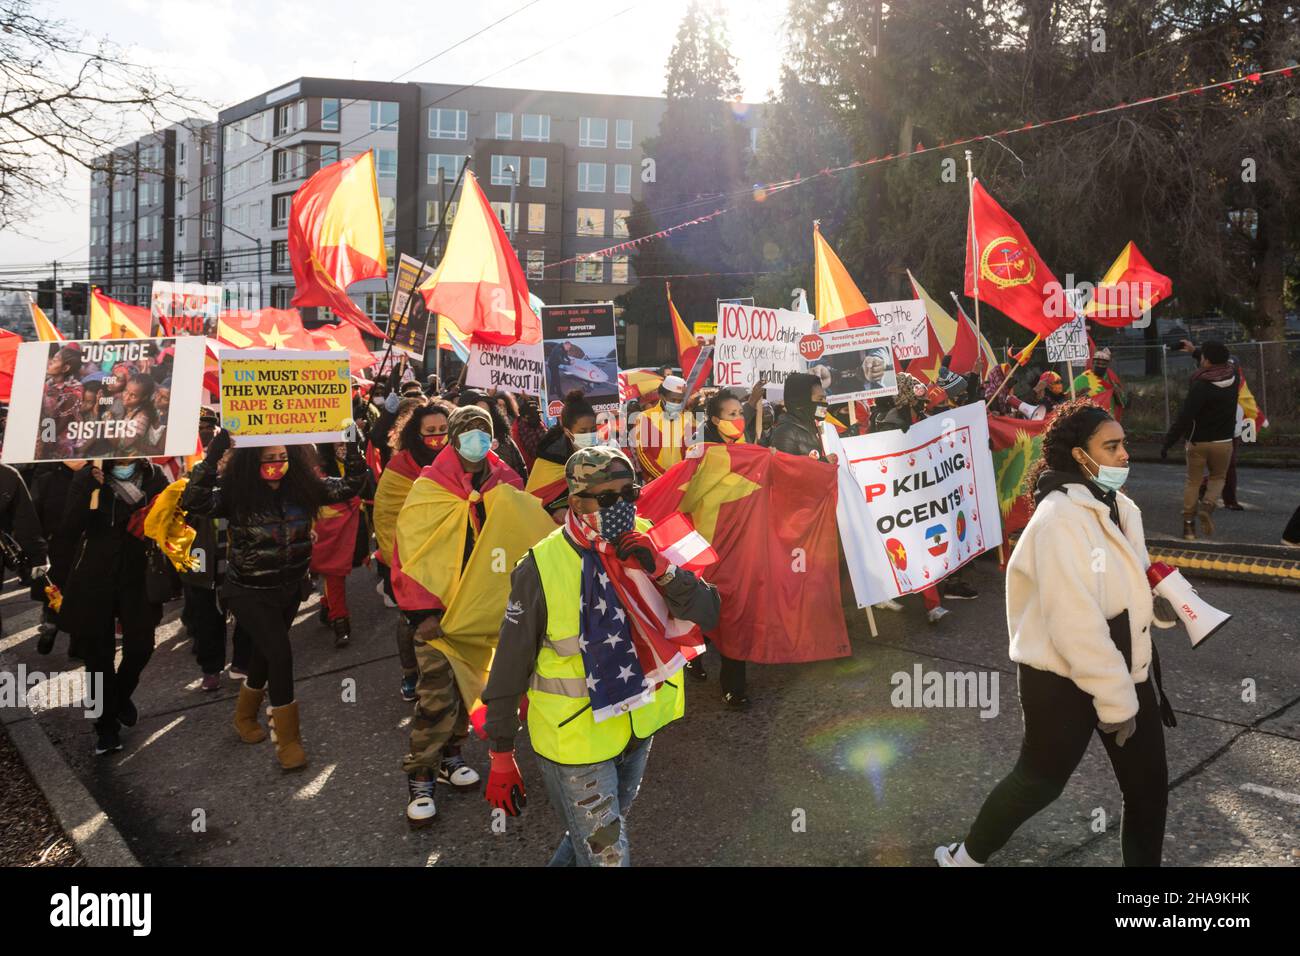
<point>1079,611</point>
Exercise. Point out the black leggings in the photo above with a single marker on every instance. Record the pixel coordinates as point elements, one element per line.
<point>1059,722</point>
<point>266,615</point>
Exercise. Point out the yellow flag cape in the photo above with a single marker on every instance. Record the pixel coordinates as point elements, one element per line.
<point>165,524</point>
<point>432,533</point>
<point>390,495</point>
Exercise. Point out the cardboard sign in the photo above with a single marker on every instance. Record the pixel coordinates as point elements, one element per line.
<point>185,308</point>
<point>915,506</point>
<point>758,343</point>
<point>409,330</point>
<point>113,398</point>
<point>906,322</point>
<point>705,333</point>
<point>580,351</point>
<point>1069,343</point>
<point>853,364</point>
<point>514,368</point>
<point>285,397</point>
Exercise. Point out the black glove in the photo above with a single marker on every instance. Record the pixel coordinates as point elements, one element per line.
<point>219,445</point>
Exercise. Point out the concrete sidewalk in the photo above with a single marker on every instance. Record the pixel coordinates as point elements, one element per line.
<point>823,770</point>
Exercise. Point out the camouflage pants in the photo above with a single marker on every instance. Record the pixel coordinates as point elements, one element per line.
<point>441,720</point>
<point>406,647</point>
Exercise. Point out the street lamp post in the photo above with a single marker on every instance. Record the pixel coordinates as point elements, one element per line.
<point>259,259</point>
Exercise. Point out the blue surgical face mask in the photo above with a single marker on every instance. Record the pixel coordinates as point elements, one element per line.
<point>673,409</point>
<point>473,445</point>
<point>122,472</point>
<point>1110,477</point>
<point>619,518</point>
<point>586,439</point>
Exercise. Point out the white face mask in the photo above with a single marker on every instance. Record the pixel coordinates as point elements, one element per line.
<point>586,439</point>
<point>1110,477</point>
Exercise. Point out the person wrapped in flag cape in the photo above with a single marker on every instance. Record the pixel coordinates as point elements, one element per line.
<point>465,519</point>
<point>597,629</point>
<point>575,429</point>
<point>662,432</point>
<point>342,543</point>
<point>1100,382</point>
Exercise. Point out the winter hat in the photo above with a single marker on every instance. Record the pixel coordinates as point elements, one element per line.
<point>466,419</point>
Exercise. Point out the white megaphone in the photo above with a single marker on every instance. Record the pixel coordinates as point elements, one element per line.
<point>1200,618</point>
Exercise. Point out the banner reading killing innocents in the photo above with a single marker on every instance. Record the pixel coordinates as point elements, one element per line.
<point>285,397</point>
<point>115,398</point>
<point>915,506</point>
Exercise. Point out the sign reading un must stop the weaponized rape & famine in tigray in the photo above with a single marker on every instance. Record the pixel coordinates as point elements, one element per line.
<point>285,397</point>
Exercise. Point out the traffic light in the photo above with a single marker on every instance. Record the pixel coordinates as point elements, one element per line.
<point>209,271</point>
<point>76,298</point>
<point>45,294</point>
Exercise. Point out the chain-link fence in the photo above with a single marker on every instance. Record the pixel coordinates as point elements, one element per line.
<point>1272,371</point>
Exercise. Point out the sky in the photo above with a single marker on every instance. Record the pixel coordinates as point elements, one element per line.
<point>225,51</point>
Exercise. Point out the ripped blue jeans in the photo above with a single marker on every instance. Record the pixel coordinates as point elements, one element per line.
<point>594,800</point>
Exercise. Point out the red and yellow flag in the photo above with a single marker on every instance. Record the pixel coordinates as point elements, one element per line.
<point>479,285</point>
<point>336,238</point>
<point>110,319</point>
<point>756,510</point>
<point>9,342</point>
<point>839,303</point>
<point>46,331</point>
<point>344,338</point>
<point>1012,276</point>
<point>695,365</point>
<point>263,329</point>
<point>1128,289</point>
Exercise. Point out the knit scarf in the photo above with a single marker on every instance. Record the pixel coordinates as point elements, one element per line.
<point>629,642</point>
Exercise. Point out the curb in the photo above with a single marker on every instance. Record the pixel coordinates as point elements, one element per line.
<point>78,812</point>
<point>1266,564</point>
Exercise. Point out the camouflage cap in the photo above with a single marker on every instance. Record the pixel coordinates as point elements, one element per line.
<point>466,418</point>
<point>591,466</point>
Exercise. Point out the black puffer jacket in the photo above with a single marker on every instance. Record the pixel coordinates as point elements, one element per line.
<point>794,436</point>
<point>272,547</point>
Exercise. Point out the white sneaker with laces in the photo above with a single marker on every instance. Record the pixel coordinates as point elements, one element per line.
<point>935,615</point>
<point>379,589</point>
<point>954,854</point>
<point>457,773</point>
<point>890,605</point>
<point>420,809</point>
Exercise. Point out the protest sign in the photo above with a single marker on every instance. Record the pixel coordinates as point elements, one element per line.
<point>515,368</point>
<point>185,308</point>
<point>853,364</point>
<point>284,396</point>
<point>409,330</point>
<point>758,343</point>
<point>113,398</point>
<point>915,506</point>
<point>1069,343</point>
<point>906,323</point>
<point>705,332</point>
<point>580,351</point>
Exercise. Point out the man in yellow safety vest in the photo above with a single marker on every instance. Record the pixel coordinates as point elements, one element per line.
<point>597,627</point>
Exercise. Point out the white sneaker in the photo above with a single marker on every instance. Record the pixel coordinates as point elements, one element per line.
<point>379,589</point>
<point>456,772</point>
<point>420,809</point>
<point>935,615</point>
<point>890,605</point>
<point>954,854</point>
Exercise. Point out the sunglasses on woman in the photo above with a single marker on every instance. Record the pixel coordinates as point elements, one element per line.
<point>607,499</point>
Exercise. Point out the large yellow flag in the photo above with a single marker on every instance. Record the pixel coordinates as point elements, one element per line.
<point>838,302</point>
<point>46,331</point>
<point>110,319</point>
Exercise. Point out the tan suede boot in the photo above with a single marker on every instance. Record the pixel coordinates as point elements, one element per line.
<point>1204,511</point>
<point>288,740</point>
<point>246,723</point>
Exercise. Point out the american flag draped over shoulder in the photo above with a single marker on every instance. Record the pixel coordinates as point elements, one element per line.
<point>630,644</point>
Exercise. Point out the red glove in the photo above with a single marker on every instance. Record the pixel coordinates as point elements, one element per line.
<point>505,787</point>
<point>477,718</point>
<point>633,546</point>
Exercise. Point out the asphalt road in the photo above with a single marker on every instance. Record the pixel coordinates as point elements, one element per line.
<point>823,771</point>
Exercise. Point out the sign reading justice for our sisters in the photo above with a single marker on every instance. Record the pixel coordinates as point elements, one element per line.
<point>285,397</point>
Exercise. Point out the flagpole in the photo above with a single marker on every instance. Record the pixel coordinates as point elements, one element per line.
<point>973,252</point>
<point>1020,363</point>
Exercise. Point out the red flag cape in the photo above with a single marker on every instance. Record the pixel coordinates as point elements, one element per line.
<point>336,537</point>
<point>1017,444</point>
<point>771,520</point>
<point>1012,275</point>
<point>9,342</point>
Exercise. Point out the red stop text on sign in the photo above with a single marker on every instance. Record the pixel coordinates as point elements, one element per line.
<point>811,347</point>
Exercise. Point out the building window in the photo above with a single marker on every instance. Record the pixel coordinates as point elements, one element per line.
<point>589,270</point>
<point>591,177</point>
<point>388,210</point>
<point>180,153</point>
<point>618,270</point>
<point>505,126</point>
<point>386,163</point>
<point>622,178</point>
<point>536,263</point>
<point>433,209</point>
<point>286,119</point>
<point>280,210</point>
<point>623,134</point>
<point>535,128</point>
<point>501,175</point>
<point>448,124</point>
<point>329,155</point>
<point>537,171</point>
<point>377,307</point>
<point>209,227</point>
<point>591,222</point>
<point>536,217</point>
<point>329,114</point>
<point>288,164</point>
<point>502,210</point>
<point>207,152</point>
<point>280,296</point>
<point>383,116</point>
<point>280,255</point>
<point>450,165</point>
<point>593,131</point>
<point>618,223</point>
<point>255,214</point>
